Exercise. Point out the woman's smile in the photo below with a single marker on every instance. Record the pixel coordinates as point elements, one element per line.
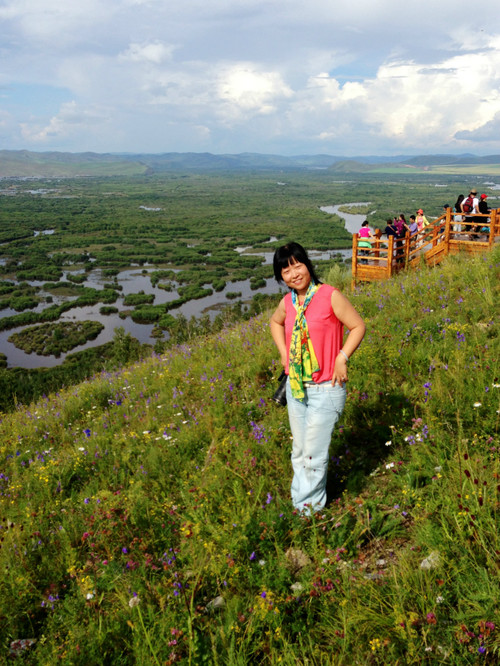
<point>296,276</point>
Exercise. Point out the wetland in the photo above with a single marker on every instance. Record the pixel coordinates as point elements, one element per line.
<point>153,260</point>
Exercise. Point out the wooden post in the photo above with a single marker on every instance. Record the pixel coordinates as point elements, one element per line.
<point>407,249</point>
<point>354,261</point>
<point>447,231</point>
<point>390,257</point>
<point>376,249</point>
<point>493,227</point>
<point>434,235</point>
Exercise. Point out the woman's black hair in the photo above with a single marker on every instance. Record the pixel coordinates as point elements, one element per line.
<point>363,224</point>
<point>292,253</point>
<point>458,202</point>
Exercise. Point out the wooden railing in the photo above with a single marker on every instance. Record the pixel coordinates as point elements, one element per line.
<point>443,236</point>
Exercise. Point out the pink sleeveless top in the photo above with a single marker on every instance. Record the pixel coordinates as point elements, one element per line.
<point>325,330</point>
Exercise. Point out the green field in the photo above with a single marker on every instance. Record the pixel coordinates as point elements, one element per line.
<point>462,171</point>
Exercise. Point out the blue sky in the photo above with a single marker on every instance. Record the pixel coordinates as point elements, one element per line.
<point>290,77</point>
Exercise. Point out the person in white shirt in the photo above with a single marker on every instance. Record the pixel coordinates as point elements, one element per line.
<point>470,206</point>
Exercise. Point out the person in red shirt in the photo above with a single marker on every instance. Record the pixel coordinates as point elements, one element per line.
<point>308,330</point>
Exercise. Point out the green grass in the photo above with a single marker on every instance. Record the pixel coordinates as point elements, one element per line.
<point>146,519</point>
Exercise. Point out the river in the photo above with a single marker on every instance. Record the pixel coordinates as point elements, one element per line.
<point>352,222</point>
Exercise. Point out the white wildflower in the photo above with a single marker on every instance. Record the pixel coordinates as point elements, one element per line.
<point>431,562</point>
<point>134,601</point>
<point>296,587</point>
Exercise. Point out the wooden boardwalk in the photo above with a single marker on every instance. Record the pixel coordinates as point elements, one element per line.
<point>442,237</point>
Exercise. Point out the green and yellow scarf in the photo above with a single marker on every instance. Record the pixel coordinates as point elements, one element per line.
<point>302,361</point>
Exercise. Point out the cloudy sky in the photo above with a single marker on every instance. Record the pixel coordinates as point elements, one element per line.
<point>357,77</point>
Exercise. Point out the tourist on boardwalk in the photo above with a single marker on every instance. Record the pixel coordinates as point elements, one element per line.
<point>307,328</point>
<point>412,226</point>
<point>482,205</point>
<point>457,218</point>
<point>422,223</point>
<point>469,207</point>
<point>483,226</point>
<point>390,229</point>
<point>400,225</point>
<point>365,241</point>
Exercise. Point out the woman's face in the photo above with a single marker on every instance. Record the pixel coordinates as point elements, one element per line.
<point>296,276</point>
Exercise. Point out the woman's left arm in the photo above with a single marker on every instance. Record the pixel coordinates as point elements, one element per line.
<point>347,315</point>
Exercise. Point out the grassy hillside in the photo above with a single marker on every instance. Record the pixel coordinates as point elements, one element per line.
<point>27,164</point>
<point>146,515</point>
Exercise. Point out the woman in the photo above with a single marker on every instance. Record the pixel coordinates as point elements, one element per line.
<point>307,328</point>
<point>457,218</point>
<point>365,241</point>
<point>422,222</point>
<point>400,226</point>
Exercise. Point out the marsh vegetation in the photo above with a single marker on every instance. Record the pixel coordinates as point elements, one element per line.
<point>152,253</point>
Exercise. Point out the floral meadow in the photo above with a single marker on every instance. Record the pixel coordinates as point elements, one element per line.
<point>145,514</point>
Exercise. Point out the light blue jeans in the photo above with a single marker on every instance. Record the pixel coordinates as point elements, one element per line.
<point>312,423</point>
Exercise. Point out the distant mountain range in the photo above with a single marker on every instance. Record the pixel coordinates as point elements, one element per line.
<point>27,164</point>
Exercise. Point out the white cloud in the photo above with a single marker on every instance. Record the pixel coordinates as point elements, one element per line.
<point>489,132</point>
<point>245,89</point>
<point>69,121</point>
<point>234,75</point>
